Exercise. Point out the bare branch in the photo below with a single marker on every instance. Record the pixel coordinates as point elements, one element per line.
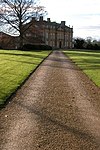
<point>17,13</point>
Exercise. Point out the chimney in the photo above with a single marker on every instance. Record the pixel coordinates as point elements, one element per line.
<point>62,23</point>
<point>48,19</point>
<point>41,18</point>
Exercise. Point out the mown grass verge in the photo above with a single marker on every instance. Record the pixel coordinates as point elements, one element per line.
<point>88,61</point>
<point>15,67</point>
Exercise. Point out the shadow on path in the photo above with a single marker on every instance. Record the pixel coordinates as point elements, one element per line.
<point>46,118</point>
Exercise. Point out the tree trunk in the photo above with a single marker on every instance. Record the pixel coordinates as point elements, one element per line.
<point>21,41</point>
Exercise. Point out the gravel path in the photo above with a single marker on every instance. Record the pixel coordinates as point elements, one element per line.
<point>58,108</point>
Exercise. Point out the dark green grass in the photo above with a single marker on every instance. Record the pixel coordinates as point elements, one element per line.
<point>15,67</point>
<point>88,61</point>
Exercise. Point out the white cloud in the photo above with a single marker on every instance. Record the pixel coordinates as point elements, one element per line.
<point>77,13</point>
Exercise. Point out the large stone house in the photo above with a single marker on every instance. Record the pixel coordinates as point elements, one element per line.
<point>56,35</point>
<point>41,32</point>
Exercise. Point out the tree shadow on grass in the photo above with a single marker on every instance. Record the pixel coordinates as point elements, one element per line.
<point>26,62</point>
<point>85,53</point>
<point>89,64</point>
<point>28,55</point>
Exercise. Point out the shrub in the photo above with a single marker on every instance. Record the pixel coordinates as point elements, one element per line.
<point>1,47</point>
<point>35,47</point>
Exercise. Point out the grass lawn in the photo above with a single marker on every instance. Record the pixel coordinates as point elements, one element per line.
<point>88,61</point>
<point>15,66</point>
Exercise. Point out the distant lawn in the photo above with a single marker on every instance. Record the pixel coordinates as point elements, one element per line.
<point>88,61</point>
<point>15,66</point>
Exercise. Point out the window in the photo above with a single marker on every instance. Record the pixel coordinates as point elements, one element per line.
<point>46,35</point>
<point>28,34</point>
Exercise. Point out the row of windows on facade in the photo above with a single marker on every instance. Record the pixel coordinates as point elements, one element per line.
<point>51,39</point>
<point>52,43</point>
<point>52,36</point>
<point>59,35</point>
<point>50,26</point>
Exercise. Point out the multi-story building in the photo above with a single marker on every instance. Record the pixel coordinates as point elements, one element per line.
<point>41,32</point>
<point>56,35</point>
<point>7,41</point>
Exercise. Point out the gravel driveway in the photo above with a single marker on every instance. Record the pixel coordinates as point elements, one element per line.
<point>58,108</point>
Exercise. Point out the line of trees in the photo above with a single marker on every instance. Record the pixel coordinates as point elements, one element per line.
<point>88,43</point>
<point>14,14</point>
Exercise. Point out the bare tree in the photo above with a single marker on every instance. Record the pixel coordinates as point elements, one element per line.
<point>16,13</point>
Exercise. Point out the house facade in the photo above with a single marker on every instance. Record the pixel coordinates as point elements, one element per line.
<point>56,35</point>
<point>7,41</point>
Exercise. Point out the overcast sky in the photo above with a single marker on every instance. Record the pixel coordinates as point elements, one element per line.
<point>83,15</point>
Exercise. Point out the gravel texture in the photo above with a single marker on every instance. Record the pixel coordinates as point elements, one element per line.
<point>58,108</point>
